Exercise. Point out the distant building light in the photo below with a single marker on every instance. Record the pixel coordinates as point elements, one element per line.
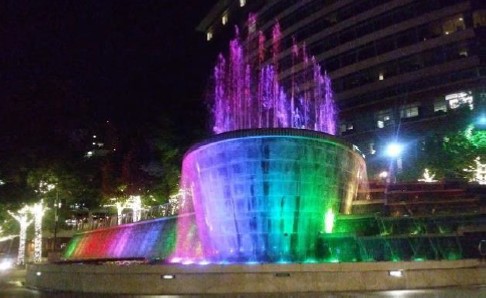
<point>381,77</point>
<point>168,276</point>
<point>242,3</point>
<point>440,105</point>
<point>459,99</point>
<point>89,154</point>
<point>372,148</point>
<point>395,273</point>
<point>38,273</point>
<point>383,175</point>
<point>209,35</point>
<point>2,182</point>
<point>224,19</point>
<point>94,136</point>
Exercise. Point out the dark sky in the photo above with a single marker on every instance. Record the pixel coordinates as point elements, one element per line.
<point>131,60</point>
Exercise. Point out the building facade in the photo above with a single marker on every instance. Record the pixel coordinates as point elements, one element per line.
<point>402,70</point>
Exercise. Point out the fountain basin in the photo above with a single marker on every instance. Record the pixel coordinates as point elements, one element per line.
<point>266,195</point>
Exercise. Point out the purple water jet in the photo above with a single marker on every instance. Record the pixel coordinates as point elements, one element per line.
<point>249,93</point>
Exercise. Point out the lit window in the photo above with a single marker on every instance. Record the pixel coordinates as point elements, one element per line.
<point>209,35</point>
<point>381,77</point>
<point>372,148</point>
<point>346,127</point>
<point>460,99</point>
<point>383,118</point>
<point>242,3</point>
<point>409,111</point>
<point>224,19</point>
<point>440,105</point>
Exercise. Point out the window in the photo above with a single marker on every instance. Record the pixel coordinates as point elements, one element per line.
<point>224,19</point>
<point>453,24</point>
<point>372,148</point>
<point>440,106</point>
<point>460,99</point>
<point>409,111</point>
<point>242,3</point>
<point>209,35</point>
<point>479,18</point>
<point>383,118</point>
<point>346,127</point>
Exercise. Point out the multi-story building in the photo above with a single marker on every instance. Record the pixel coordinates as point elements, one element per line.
<point>401,69</point>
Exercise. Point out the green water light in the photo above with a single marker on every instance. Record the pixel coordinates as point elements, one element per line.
<point>329,221</point>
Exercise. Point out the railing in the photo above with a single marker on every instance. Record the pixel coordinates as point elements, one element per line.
<point>99,220</point>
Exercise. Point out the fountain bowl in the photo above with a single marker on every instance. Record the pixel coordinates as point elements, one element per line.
<point>267,195</point>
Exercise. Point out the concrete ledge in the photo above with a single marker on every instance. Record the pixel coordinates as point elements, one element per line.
<point>260,278</point>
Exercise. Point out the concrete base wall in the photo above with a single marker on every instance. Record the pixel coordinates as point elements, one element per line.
<point>267,278</point>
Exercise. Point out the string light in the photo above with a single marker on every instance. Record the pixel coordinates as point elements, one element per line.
<point>22,216</point>
<point>478,170</point>
<point>38,211</point>
<point>428,177</point>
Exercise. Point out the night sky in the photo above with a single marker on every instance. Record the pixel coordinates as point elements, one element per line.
<point>126,61</point>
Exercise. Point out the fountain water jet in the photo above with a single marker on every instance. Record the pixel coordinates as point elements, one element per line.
<point>249,94</point>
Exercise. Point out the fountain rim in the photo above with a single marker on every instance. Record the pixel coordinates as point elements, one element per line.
<point>273,132</point>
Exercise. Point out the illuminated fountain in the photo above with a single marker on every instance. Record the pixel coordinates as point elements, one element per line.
<point>274,177</point>
<point>274,185</point>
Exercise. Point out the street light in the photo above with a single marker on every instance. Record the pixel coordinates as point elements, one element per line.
<point>394,151</point>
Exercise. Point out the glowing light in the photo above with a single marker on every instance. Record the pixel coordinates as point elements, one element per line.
<point>224,19</point>
<point>396,273</point>
<point>459,99</point>
<point>482,120</point>
<point>478,171</point>
<point>38,211</point>
<point>6,264</point>
<point>134,203</point>
<point>242,3</point>
<point>209,35</point>
<point>329,221</point>
<point>22,217</point>
<point>428,177</point>
<point>394,150</point>
<point>168,276</point>
<point>383,175</point>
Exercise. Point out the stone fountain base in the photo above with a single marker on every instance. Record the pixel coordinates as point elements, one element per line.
<point>241,279</point>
